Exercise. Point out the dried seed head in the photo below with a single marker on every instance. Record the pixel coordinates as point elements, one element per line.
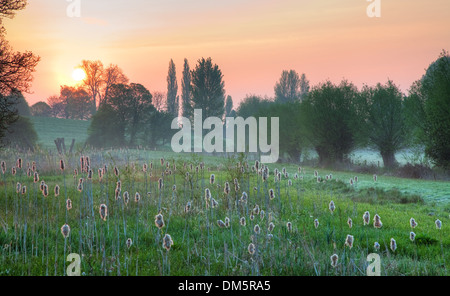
<point>356,179</point>
<point>126,197</point>
<point>144,167</point>
<point>251,249</point>
<point>129,243</point>
<point>438,224</point>
<point>271,227</point>
<point>226,188</point>
<point>13,171</point>
<point>137,197</point>
<point>413,223</point>
<point>167,242</point>
<point>257,229</point>
<point>117,194</point>
<point>271,194</point>
<point>227,222</point>
<point>65,230</point>
<point>3,167</point>
<point>375,178</point>
<point>261,215</point>
<point>376,246</point>
<point>214,203</point>
<point>393,245</point>
<point>242,221</point>
<point>349,241</point>
<point>45,190</point>
<point>24,189</point>
<point>316,223</point>
<point>366,217</point>
<point>377,221</point>
<point>412,236</point>
<point>334,260</point>
<point>116,172</point>
<point>159,221</point>
<point>56,190</point>
<point>103,212</point>
<point>221,224</point>
<point>162,161</point>
<point>351,181</point>
<point>187,208</point>
<point>160,183</point>
<point>289,226</point>
<point>68,204</point>
<point>256,210</point>
<point>212,179</point>
<point>252,216</point>
<point>61,165</point>
<point>331,207</point>
<point>18,187</point>
<point>207,194</point>
<point>89,176</point>
<point>244,197</point>
<point>349,222</point>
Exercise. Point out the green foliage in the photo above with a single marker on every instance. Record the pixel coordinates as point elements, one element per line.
<point>384,120</point>
<point>207,87</point>
<point>251,105</point>
<point>41,109</point>
<point>21,134</point>
<point>172,89</point>
<point>331,118</point>
<point>291,87</point>
<point>186,95</point>
<point>292,137</point>
<point>106,128</point>
<point>436,88</point>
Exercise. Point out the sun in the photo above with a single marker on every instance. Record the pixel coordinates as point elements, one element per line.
<point>78,74</point>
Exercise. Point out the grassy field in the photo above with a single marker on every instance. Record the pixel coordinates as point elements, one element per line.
<point>32,242</point>
<point>49,128</point>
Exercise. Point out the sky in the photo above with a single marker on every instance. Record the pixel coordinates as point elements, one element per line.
<point>252,41</point>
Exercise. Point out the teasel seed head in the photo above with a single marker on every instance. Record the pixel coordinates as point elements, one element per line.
<point>13,171</point>
<point>349,241</point>
<point>412,236</point>
<point>65,230</point>
<point>271,227</point>
<point>214,203</point>
<point>271,194</point>
<point>56,190</point>
<point>18,187</point>
<point>242,221</point>
<point>289,226</point>
<point>144,167</point>
<point>137,197</point>
<point>116,172</point>
<point>377,221</point>
<point>103,210</point>
<point>251,249</point>
<point>129,243</point>
<point>220,223</point>
<point>89,176</point>
<point>438,224</point>
<point>366,217</point>
<point>244,197</point>
<point>393,245</point>
<point>160,183</point>
<point>261,215</point>
<point>24,190</point>
<point>252,217</point>
<point>167,242</point>
<point>3,167</point>
<point>257,229</point>
<point>331,207</point>
<point>159,221</point>
<point>45,190</point>
<point>375,177</point>
<point>187,208</point>
<point>349,222</point>
<point>227,222</point>
<point>413,223</point>
<point>316,223</point>
<point>334,260</point>
<point>68,204</point>
<point>226,188</point>
<point>376,246</point>
<point>351,181</point>
<point>212,179</point>
<point>126,197</point>
<point>61,165</point>
<point>256,210</point>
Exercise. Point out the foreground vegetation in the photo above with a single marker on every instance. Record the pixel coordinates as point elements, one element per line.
<point>33,244</point>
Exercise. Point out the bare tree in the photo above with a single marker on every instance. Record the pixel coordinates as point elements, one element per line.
<point>94,78</point>
<point>159,100</point>
<point>112,75</point>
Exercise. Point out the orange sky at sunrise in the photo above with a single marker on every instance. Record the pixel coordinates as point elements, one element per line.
<point>251,41</point>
